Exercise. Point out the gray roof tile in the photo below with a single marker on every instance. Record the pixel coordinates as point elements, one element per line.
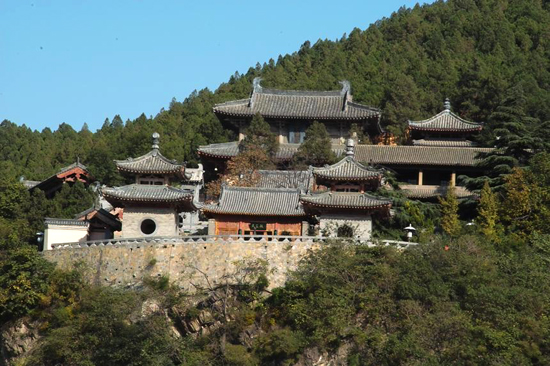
<point>445,121</point>
<point>319,105</point>
<point>146,193</point>
<point>151,163</point>
<point>65,222</point>
<point>419,192</point>
<point>257,201</point>
<point>284,179</point>
<point>379,154</point>
<point>443,142</point>
<point>347,169</point>
<point>344,200</point>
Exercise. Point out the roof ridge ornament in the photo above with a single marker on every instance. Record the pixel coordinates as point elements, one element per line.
<point>256,88</point>
<point>447,105</point>
<point>156,138</point>
<point>350,148</point>
<point>346,93</point>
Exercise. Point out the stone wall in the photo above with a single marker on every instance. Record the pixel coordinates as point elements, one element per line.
<point>189,264</point>
<point>165,219</point>
<point>362,224</point>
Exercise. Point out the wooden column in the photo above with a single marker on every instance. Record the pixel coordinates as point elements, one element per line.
<point>453,179</point>
<point>241,129</point>
<point>420,177</point>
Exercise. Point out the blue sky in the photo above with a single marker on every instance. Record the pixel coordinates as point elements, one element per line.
<point>78,61</point>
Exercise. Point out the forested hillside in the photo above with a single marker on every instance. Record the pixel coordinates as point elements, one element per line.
<point>472,51</point>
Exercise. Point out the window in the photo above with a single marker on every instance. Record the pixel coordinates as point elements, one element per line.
<point>148,226</point>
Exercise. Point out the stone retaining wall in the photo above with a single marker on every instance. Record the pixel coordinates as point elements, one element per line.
<point>189,264</point>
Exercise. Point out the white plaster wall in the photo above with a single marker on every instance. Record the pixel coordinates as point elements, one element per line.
<point>164,217</point>
<point>361,223</point>
<point>57,234</point>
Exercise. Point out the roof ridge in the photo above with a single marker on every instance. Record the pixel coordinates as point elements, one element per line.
<point>451,113</point>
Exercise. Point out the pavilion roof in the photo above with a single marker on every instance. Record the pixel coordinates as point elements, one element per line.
<point>445,121</point>
<point>227,150</point>
<point>344,200</point>
<point>347,169</point>
<point>293,104</point>
<point>151,163</point>
<point>257,202</point>
<point>143,193</point>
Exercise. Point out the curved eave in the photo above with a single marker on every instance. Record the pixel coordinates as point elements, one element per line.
<point>323,205</point>
<point>123,169</point>
<point>427,129</point>
<point>211,155</point>
<point>355,179</point>
<point>232,114</point>
<point>210,211</point>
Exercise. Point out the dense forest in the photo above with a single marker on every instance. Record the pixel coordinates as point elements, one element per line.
<point>472,293</point>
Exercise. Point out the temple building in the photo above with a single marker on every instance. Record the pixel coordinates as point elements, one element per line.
<point>296,202</point>
<point>290,112</point>
<point>151,206</point>
<point>75,172</point>
<point>339,197</point>
<point>441,149</point>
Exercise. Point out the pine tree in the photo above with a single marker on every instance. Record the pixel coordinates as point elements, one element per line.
<point>258,134</point>
<point>450,222</point>
<point>488,213</point>
<point>513,140</point>
<point>316,149</point>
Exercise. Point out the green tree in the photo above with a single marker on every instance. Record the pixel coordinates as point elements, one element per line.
<point>316,149</point>
<point>258,134</point>
<point>488,216</point>
<point>450,222</point>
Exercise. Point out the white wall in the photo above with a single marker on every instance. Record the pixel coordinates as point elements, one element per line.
<point>164,217</point>
<point>57,234</point>
<point>361,223</point>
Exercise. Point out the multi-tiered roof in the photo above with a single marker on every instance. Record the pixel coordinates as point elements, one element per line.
<point>345,171</point>
<point>293,104</point>
<point>152,163</point>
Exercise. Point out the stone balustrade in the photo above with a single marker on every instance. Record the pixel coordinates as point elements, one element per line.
<point>224,239</point>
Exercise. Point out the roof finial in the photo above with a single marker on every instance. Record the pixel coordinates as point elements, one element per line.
<point>156,138</point>
<point>256,84</point>
<point>350,148</point>
<point>447,104</point>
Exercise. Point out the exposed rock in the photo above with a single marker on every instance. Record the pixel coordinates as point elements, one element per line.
<point>17,339</point>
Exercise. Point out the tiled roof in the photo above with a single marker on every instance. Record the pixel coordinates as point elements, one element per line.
<point>347,169</point>
<point>380,154</point>
<point>344,200</point>
<point>418,155</point>
<point>444,143</point>
<point>284,179</point>
<point>318,105</point>
<point>257,201</point>
<point>65,222</point>
<point>227,150</point>
<point>445,121</point>
<point>419,192</point>
<point>72,166</point>
<point>146,193</point>
<point>151,163</point>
